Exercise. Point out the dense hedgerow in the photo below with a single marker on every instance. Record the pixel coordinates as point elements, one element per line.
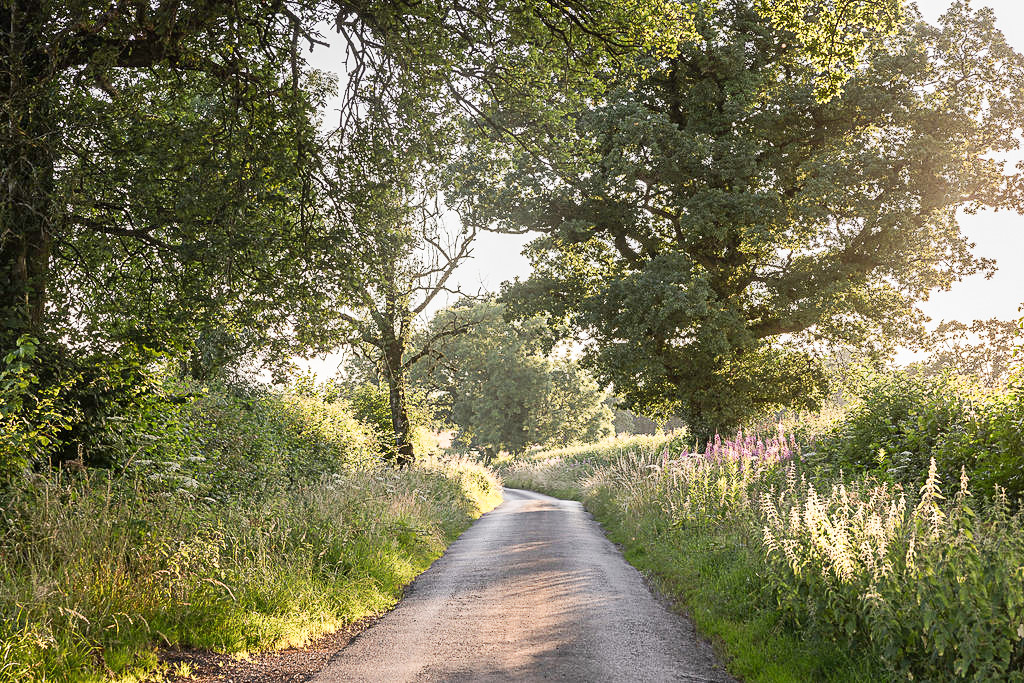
<point>806,578</point>
<point>899,422</point>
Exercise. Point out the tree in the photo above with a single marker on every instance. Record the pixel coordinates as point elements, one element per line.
<point>389,168</point>
<point>719,223</point>
<point>401,285</point>
<point>163,175</point>
<point>983,349</point>
<point>159,173</point>
<point>160,152</point>
<point>503,392</point>
<point>162,178</point>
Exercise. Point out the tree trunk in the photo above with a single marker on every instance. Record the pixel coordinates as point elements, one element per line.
<point>27,150</point>
<point>395,374</point>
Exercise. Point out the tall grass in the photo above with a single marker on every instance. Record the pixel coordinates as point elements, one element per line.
<point>238,519</point>
<point>781,568</point>
<point>98,572</point>
<point>561,472</point>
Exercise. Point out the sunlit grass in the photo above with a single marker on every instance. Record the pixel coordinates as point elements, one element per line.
<point>98,573</point>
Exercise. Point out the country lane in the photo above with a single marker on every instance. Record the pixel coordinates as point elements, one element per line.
<point>532,591</point>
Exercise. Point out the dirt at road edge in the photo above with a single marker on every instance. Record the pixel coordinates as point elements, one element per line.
<point>292,665</point>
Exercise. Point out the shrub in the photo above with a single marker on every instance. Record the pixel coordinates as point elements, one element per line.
<point>31,420</point>
<point>97,411</point>
<point>244,438</point>
<point>992,445</point>
<point>901,421</point>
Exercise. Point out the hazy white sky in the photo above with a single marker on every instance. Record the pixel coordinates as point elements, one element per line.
<point>1000,236</point>
<point>997,235</point>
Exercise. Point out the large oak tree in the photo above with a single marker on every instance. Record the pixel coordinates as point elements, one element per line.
<point>718,224</point>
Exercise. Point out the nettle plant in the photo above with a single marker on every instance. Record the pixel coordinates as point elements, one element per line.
<point>933,587</point>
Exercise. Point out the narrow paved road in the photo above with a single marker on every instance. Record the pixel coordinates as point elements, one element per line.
<point>532,591</point>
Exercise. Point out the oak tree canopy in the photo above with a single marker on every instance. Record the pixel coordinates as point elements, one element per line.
<point>711,229</point>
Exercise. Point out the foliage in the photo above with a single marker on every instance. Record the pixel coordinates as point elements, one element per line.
<point>626,421</point>
<point>932,588</point>
<point>31,417</point>
<point>503,393</point>
<point>783,564</point>
<point>99,572</point>
<point>900,421</point>
<point>244,438</point>
<point>833,35</point>
<point>716,225</point>
<point>158,176</point>
<point>994,443</point>
<point>897,422</point>
<point>86,411</point>
<point>240,519</point>
<point>370,405</point>
<point>166,179</point>
<point>983,349</point>
<point>127,414</point>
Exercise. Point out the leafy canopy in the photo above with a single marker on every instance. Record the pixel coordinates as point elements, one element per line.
<point>718,224</point>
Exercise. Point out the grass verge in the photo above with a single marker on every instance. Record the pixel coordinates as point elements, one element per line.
<point>796,577</point>
<point>713,573</point>
<point>99,571</point>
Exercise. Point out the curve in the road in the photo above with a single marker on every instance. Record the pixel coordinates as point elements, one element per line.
<point>532,591</point>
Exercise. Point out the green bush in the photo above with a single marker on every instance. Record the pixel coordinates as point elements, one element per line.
<point>31,419</point>
<point>56,408</point>
<point>992,445</point>
<point>900,421</point>
<point>243,438</point>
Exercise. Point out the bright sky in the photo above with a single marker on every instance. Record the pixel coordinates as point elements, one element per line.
<point>1000,236</point>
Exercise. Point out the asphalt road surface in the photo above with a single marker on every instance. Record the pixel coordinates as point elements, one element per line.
<point>532,591</point>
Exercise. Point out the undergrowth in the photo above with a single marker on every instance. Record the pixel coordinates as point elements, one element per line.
<point>236,519</point>
<point>99,572</point>
<point>797,578</point>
